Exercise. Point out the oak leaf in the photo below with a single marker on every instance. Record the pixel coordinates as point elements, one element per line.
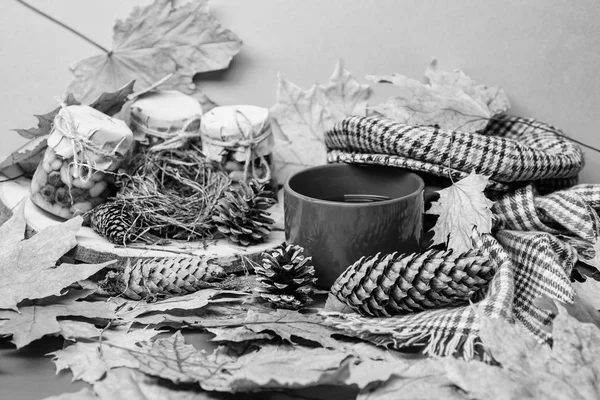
<point>301,117</point>
<point>28,267</point>
<point>156,41</point>
<point>461,208</point>
<point>451,100</point>
<point>38,318</point>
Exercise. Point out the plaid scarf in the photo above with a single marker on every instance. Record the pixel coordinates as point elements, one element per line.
<point>536,242</point>
<point>510,150</point>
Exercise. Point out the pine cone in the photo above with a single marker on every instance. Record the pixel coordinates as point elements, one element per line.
<point>162,276</point>
<point>385,285</point>
<point>240,214</point>
<point>286,277</point>
<point>112,221</point>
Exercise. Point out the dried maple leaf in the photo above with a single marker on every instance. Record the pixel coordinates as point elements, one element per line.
<point>38,318</point>
<point>78,330</point>
<point>237,334</point>
<point>28,267</point>
<point>184,318</point>
<point>226,369</point>
<point>155,41</point>
<point>134,310</point>
<point>460,208</point>
<point>493,97</point>
<point>581,308</point>
<point>111,103</point>
<point>588,291</point>
<point>286,324</point>
<point>28,156</point>
<point>343,95</point>
<point>83,394</point>
<point>377,369</point>
<point>422,380</point>
<point>108,103</point>
<point>451,100</point>
<point>31,153</point>
<point>90,360</point>
<point>121,382</point>
<point>301,117</point>
<point>531,370</point>
<point>239,369</point>
<point>45,121</point>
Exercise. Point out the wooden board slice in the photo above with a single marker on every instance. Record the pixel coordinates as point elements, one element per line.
<point>93,248</point>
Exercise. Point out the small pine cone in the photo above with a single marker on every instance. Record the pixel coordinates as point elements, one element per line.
<point>386,285</point>
<point>112,221</point>
<point>286,277</point>
<point>162,277</point>
<point>240,214</point>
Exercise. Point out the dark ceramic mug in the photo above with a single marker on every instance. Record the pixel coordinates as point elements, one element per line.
<point>341,212</point>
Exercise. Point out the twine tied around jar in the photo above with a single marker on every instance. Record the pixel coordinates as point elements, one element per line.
<point>85,151</point>
<point>249,143</point>
<point>171,140</point>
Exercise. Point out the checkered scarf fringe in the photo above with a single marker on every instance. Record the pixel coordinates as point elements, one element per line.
<point>536,242</point>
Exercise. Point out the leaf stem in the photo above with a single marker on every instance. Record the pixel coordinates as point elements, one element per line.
<point>81,35</point>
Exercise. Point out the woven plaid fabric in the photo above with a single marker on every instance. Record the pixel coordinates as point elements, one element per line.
<point>537,240</point>
<point>511,150</point>
<point>533,255</point>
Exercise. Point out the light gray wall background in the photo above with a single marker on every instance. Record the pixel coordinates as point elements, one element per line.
<point>544,53</point>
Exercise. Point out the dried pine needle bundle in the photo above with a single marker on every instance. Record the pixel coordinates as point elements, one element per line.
<point>172,193</point>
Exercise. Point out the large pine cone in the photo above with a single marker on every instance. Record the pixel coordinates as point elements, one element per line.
<point>286,276</point>
<point>162,276</point>
<point>240,214</point>
<point>386,285</point>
